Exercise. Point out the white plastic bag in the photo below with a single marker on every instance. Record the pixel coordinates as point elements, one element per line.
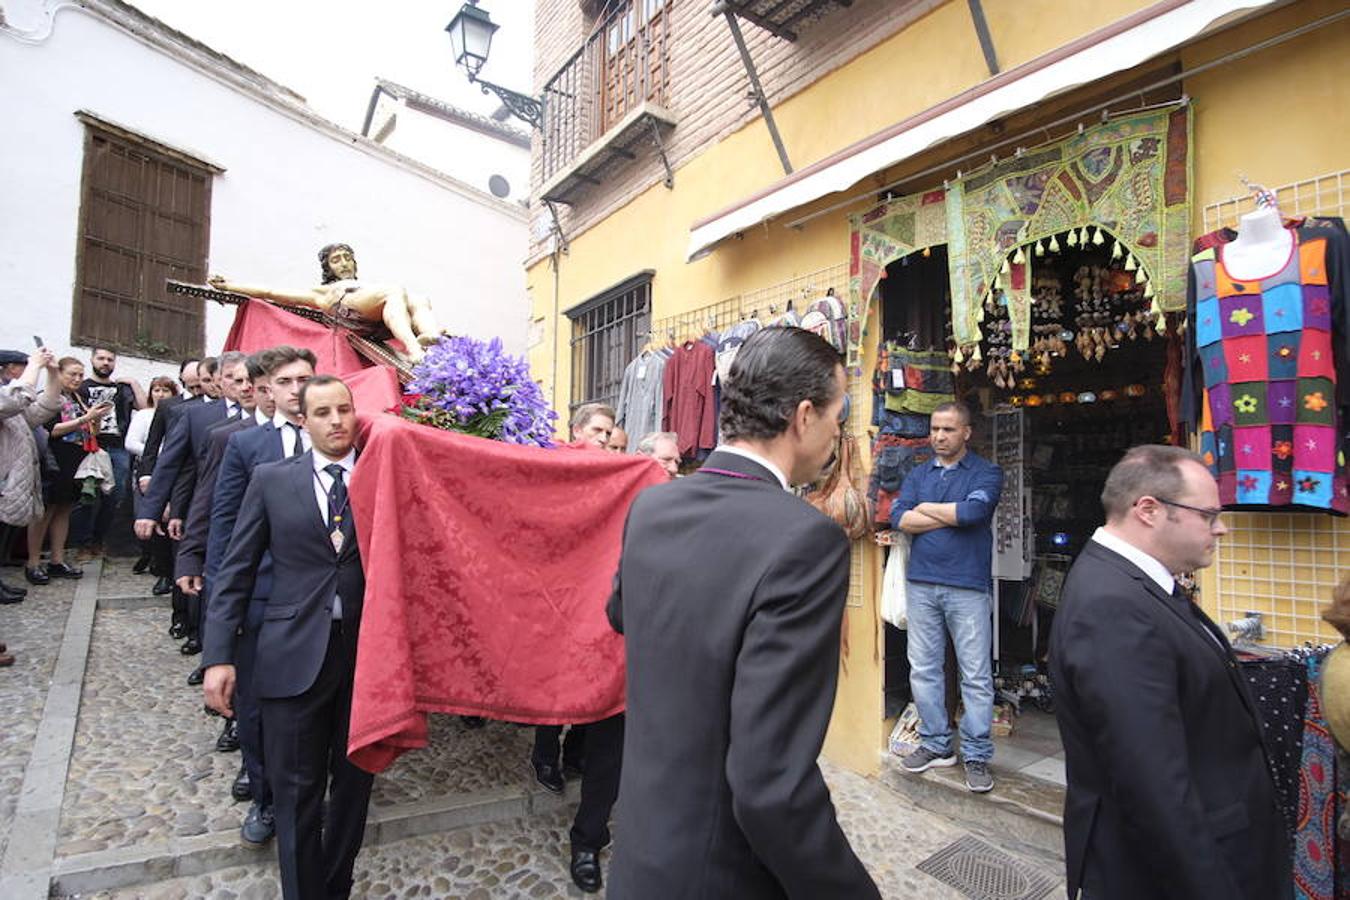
<point>893,598</point>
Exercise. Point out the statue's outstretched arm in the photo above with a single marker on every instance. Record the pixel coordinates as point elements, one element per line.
<point>314,298</point>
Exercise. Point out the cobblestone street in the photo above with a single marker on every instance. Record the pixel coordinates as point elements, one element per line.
<point>146,796</point>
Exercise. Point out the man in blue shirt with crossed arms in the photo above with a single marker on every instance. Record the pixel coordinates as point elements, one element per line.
<point>946,508</point>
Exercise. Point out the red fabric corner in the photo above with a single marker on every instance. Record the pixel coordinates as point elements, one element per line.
<point>488,566</point>
<point>258,325</point>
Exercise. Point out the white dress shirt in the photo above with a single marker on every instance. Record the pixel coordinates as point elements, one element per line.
<point>283,425</point>
<point>756,458</point>
<point>259,416</point>
<point>323,483</point>
<point>1148,564</point>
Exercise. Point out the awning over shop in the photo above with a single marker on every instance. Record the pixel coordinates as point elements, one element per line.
<point>1115,48</point>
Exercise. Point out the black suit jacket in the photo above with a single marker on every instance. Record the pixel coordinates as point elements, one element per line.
<point>175,469</point>
<point>280,515</point>
<point>159,427</point>
<point>197,522</point>
<point>730,594</point>
<point>1169,791</point>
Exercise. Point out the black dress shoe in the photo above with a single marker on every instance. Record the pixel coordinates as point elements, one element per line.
<point>242,788</point>
<point>191,647</point>
<point>11,594</point>
<point>550,776</point>
<point>36,575</point>
<point>197,677</point>
<point>163,585</point>
<point>228,742</point>
<point>585,870</point>
<point>64,570</point>
<point>177,631</point>
<point>142,566</point>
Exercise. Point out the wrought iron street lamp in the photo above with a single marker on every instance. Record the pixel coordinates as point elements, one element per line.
<point>471,33</point>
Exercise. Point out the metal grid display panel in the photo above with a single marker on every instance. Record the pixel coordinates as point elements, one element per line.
<point>763,304</point>
<point>1283,565</point>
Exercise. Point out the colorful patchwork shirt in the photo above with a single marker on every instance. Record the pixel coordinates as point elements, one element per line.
<point>1270,418</point>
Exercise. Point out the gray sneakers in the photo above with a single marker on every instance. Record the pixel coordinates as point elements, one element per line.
<point>923,759</point>
<point>978,778</point>
<point>259,826</point>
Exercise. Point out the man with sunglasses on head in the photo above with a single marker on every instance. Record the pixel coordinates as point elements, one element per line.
<point>1169,793</point>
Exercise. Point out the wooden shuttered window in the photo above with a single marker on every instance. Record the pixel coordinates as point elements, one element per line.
<point>145,215</point>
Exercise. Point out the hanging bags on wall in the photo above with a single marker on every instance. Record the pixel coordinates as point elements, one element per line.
<point>841,497</point>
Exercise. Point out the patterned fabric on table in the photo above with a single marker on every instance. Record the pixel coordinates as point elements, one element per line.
<point>1319,857</point>
<point>1269,422</point>
<point>1280,688</point>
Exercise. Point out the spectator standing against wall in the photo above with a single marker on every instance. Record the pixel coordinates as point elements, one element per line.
<point>946,508</point>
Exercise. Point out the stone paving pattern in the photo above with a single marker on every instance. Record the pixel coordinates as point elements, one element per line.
<point>144,770</point>
<point>526,858</point>
<point>144,767</point>
<point>119,581</point>
<point>32,630</point>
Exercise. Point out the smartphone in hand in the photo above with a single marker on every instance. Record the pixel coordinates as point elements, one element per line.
<point>38,341</point>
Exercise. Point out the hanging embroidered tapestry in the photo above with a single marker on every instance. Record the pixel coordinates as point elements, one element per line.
<point>1129,177</point>
<point>882,235</point>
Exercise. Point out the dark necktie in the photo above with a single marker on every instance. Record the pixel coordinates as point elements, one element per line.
<point>299,447</point>
<point>337,497</point>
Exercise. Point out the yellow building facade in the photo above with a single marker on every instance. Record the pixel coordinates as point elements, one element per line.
<point>1269,102</point>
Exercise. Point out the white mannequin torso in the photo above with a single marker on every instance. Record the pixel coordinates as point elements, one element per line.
<point>1262,246</point>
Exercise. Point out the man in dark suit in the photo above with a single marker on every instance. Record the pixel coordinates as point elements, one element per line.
<point>175,470</point>
<point>1169,791</point>
<point>161,547</point>
<point>191,562</point>
<point>286,369</point>
<point>732,636</point>
<point>298,511</point>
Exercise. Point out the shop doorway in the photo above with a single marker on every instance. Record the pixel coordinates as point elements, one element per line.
<point>1056,416</point>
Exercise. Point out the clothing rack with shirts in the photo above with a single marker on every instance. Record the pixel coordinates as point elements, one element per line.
<point>674,383</point>
<point>764,304</point>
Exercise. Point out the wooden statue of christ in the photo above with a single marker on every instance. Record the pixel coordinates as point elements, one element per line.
<point>409,318</point>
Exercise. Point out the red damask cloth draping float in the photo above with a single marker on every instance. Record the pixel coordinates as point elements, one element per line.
<point>488,567</point>
<point>259,325</point>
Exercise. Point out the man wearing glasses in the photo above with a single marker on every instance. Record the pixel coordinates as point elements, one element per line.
<point>1169,794</point>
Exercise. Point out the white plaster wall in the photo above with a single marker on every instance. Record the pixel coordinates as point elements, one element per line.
<point>287,190</point>
<point>467,154</point>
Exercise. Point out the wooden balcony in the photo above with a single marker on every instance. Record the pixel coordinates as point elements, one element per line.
<point>608,97</point>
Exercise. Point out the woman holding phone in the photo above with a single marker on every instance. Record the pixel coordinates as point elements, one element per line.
<point>72,434</point>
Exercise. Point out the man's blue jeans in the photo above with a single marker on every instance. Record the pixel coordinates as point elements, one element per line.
<point>89,524</point>
<point>934,610</point>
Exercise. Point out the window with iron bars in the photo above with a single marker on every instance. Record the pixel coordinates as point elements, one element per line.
<point>607,332</point>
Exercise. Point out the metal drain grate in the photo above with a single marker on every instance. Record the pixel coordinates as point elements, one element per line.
<point>981,871</point>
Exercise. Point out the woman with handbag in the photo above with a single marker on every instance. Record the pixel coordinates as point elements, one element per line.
<point>72,437</point>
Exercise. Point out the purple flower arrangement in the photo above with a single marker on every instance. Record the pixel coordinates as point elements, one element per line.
<point>475,388</point>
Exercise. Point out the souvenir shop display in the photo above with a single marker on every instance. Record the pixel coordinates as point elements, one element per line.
<point>1269,317</point>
